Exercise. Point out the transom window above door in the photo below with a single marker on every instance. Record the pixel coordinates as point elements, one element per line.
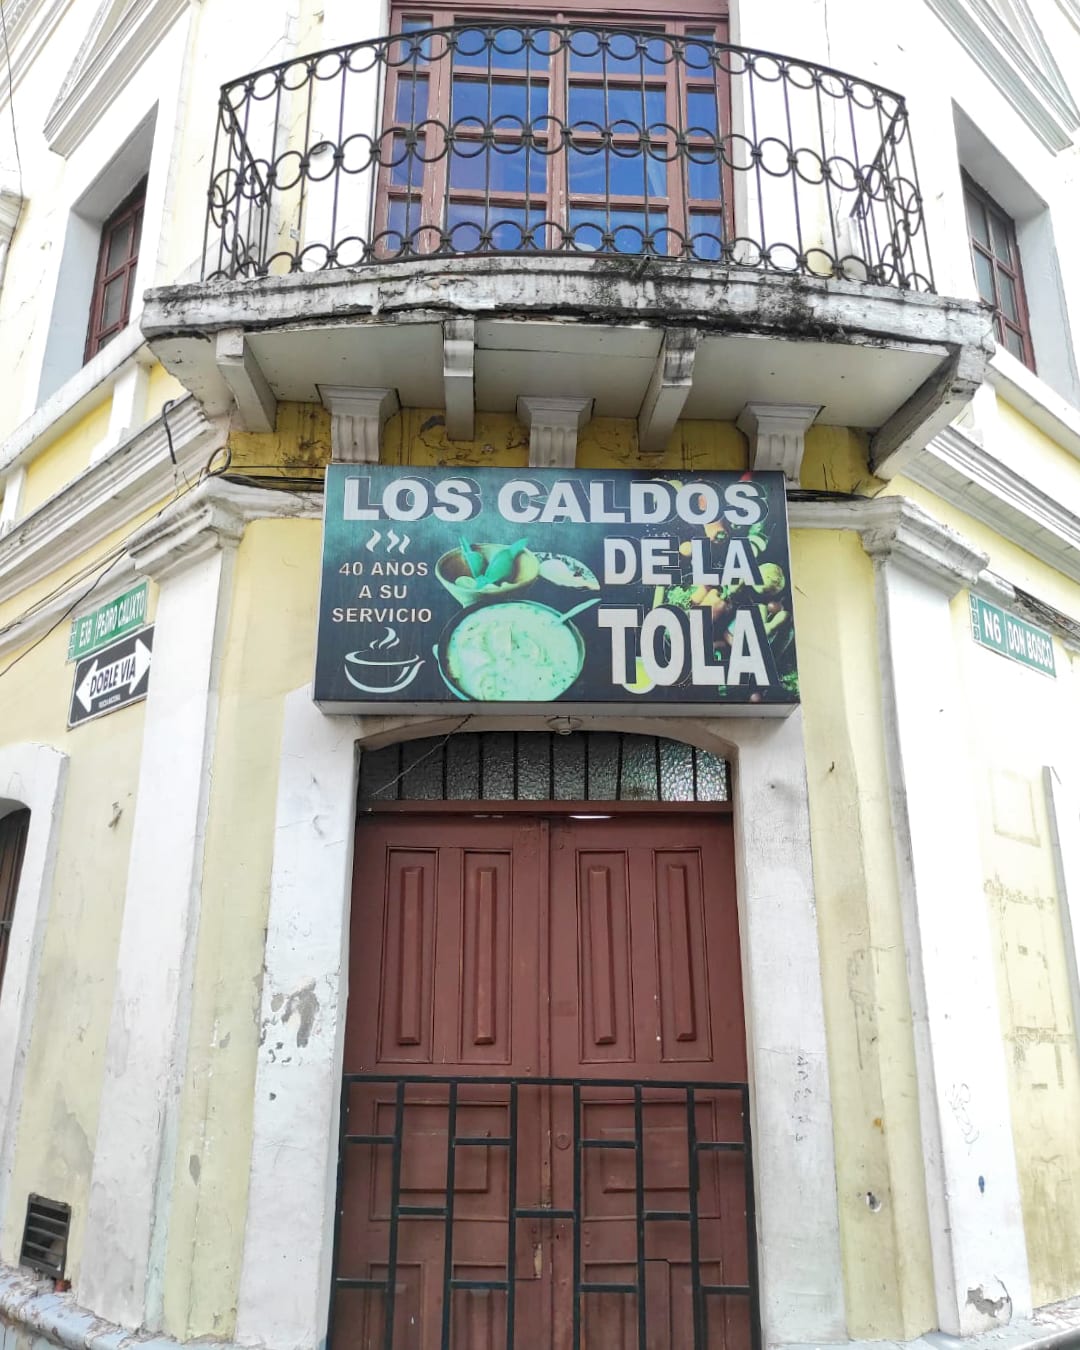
<point>508,134</point>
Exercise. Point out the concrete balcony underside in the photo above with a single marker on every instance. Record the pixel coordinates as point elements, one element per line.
<point>646,340</point>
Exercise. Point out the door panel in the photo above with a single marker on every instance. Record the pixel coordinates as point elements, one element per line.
<point>529,947</point>
<point>652,904</point>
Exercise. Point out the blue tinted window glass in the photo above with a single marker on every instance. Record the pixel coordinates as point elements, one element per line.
<point>629,229</point>
<point>503,48</point>
<point>406,170</point>
<point>511,227</point>
<point>410,106</point>
<point>626,54</point>
<point>507,169</point>
<point>707,233</point>
<point>704,178</point>
<point>625,110</point>
<point>701,112</point>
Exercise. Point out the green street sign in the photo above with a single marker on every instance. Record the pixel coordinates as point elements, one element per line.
<point>108,622</point>
<point>1011,637</point>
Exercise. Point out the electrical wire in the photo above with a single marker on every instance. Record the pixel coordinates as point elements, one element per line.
<point>439,745</point>
<point>106,564</point>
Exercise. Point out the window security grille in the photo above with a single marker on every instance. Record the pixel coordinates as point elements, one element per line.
<point>45,1236</point>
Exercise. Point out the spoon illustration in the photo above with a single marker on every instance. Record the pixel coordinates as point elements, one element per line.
<point>585,604</point>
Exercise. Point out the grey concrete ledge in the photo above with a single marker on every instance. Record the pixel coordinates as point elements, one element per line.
<point>28,1304</point>
<point>584,288</point>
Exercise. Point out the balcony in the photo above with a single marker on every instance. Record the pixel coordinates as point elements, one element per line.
<point>471,215</point>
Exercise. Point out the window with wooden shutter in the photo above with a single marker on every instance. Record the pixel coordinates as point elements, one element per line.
<point>996,259</point>
<point>524,138</point>
<point>114,281</point>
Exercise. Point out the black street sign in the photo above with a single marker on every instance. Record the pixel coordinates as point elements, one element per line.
<point>112,678</point>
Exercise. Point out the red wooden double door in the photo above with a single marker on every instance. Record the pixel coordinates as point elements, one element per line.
<point>502,952</point>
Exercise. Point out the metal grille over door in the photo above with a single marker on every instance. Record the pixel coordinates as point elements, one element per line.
<point>542,766</point>
<point>545,1131</point>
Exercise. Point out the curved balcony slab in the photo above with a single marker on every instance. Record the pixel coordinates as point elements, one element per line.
<point>899,363</point>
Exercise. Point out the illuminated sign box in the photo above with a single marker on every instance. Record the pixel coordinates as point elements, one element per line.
<point>499,590</point>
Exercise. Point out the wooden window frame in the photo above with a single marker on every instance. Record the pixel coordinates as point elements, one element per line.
<point>977,197</point>
<point>14,828</point>
<point>554,202</point>
<point>130,211</point>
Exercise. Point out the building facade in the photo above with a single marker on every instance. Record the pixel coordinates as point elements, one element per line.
<point>700,994</point>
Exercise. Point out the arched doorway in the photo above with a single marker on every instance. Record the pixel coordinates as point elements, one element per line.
<point>545,1119</point>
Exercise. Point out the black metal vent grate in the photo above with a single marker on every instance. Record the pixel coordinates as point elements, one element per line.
<point>45,1236</point>
<point>542,766</point>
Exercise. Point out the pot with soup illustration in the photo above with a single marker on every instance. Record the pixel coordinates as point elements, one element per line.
<point>475,572</point>
<point>512,651</point>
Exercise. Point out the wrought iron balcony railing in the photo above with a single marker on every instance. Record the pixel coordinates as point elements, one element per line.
<point>537,139</point>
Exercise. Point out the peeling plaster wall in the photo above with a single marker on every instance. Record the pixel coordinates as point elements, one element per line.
<point>62,1083</point>
<point>882,1189</point>
<point>269,649</point>
<point>1018,722</point>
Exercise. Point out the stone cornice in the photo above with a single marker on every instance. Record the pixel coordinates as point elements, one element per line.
<point>106,496</point>
<point>1032,84</point>
<point>10,206</point>
<point>103,65</point>
<point>966,475</point>
<point>895,530</point>
<point>210,518</point>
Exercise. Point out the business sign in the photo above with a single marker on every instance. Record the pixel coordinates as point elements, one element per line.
<point>112,678</point>
<point>109,621</point>
<point>1019,641</point>
<point>503,589</point>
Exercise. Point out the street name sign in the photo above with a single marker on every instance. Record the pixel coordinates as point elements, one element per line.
<point>1012,637</point>
<point>112,678</point>
<point>116,617</point>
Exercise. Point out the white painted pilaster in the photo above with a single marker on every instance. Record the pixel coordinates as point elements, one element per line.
<point>31,776</point>
<point>973,1195</point>
<point>190,552</point>
<point>14,481</point>
<point>128,410</point>
<point>553,425</point>
<point>1063,808</point>
<point>799,1262</point>
<point>357,418</point>
<point>285,1277</point>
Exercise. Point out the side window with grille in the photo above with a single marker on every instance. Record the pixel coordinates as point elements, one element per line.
<point>13,830</point>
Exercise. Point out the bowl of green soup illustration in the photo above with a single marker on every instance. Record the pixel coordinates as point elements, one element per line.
<point>475,572</point>
<point>511,651</point>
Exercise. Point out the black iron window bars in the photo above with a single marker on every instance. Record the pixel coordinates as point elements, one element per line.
<point>407,1093</point>
<point>529,139</point>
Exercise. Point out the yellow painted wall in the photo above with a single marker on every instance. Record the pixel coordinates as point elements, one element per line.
<point>62,1085</point>
<point>269,651</point>
<point>1020,721</point>
<point>880,1181</point>
<point>160,387</point>
<point>63,460</point>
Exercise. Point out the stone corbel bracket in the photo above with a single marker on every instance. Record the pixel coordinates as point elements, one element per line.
<point>459,378</point>
<point>554,424</point>
<point>668,389</point>
<point>357,419</point>
<point>777,435</point>
<point>256,406</point>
